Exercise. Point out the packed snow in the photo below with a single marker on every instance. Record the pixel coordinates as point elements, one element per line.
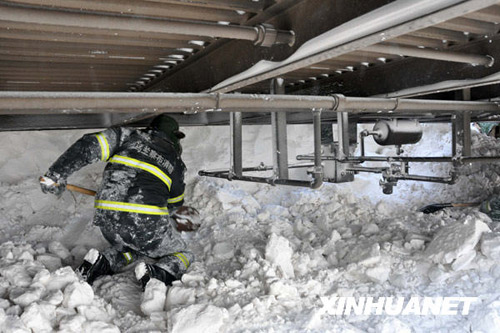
<point>269,259</point>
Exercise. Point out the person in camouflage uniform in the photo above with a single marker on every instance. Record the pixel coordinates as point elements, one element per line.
<point>143,183</point>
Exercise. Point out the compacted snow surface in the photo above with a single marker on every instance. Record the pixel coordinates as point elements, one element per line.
<point>268,258</point>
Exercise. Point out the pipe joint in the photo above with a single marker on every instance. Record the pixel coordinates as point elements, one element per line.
<point>491,63</point>
<point>338,99</point>
<point>268,36</point>
<point>317,180</point>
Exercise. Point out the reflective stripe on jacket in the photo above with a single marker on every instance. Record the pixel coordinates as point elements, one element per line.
<point>144,173</point>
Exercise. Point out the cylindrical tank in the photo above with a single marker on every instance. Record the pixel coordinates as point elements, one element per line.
<point>397,132</point>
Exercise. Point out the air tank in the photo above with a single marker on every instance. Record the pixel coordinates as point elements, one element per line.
<point>397,132</point>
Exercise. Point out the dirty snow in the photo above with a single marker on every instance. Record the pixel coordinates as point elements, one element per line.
<point>267,257</point>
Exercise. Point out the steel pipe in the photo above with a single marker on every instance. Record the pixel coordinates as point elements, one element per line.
<point>318,167</point>
<point>361,159</point>
<point>343,134</point>
<point>367,169</point>
<point>489,159</point>
<point>264,180</point>
<point>261,34</point>
<point>393,105</point>
<point>441,34</point>
<point>426,53</point>
<point>435,159</point>
<point>393,20</point>
<point>462,24</point>
<point>443,180</point>
<point>278,128</point>
<point>94,102</point>
<point>236,143</point>
<point>261,168</point>
<point>418,41</point>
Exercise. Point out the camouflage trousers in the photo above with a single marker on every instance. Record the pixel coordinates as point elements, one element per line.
<point>175,263</point>
<point>166,248</point>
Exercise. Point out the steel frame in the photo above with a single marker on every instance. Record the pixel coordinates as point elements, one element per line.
<point>141,27</point>
<point>280,169</point>
<point>87,102</point>
<point>372,36</point>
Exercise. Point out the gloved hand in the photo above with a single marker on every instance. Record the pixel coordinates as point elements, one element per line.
<point>51,185</point>
<point>186,218</point>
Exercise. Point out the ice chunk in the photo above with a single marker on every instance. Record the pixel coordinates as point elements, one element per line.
<point>59,250</point>
<point>229,198</point>
<point>38,317</point>
<point>455,240</point>
<point>369,229</point>
<point>54,298</point>
<point>437,274</point>
<point>99,326</point>
<point>490,245</point>
<point>487,318</point>
<point>26,255</point>
<point>279,252</point>
<point>50,261</point>
<point>223,251</point>
<point>78,293</point>
<point>390,325</point>
<point>42,277</point>
<point>153,298</point>
<point>378,274</point>
<point>250,205</point>
<point>178,296</point>
<point>198,318</point>
<point>17,275</point>
<point>4,304</point>
<point>383,208</point>
<point>366,255</point>
<point>72,323</point>
<point>14,310</point>
<point>25,297</point>
<point>463,261</point>
<point>61,278</point>
<point>283,291</point>
<point>93,313</point>
<point>78,252</point>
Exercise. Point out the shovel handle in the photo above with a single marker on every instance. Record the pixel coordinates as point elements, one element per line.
<point>75,188</point>
<point>79,189</point>
<point>467,204</point>
<point>429,209</point>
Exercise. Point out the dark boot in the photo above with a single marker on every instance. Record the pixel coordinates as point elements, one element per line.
<point>145,272</point>
<point>94,265</point>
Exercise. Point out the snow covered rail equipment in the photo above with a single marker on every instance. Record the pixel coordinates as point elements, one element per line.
<point>33,103</point>
<point>336,108</point>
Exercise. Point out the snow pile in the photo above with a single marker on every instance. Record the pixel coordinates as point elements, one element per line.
<point>198,318</point>
<point>279,252</point>
<point>490,245</point>
<point>35,299</point>
<point>153,299</point>
<point>267,257</point>
<point>454,244</point>
<point>320,244</point>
